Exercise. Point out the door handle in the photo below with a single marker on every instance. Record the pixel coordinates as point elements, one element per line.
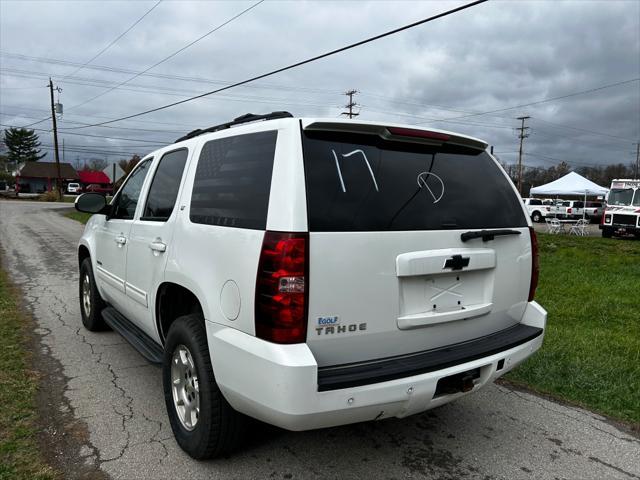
<point>158,246</point>
<point>121,239</point>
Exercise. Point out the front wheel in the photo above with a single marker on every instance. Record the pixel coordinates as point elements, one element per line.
<point>91,304</point>
<point>203,422</point>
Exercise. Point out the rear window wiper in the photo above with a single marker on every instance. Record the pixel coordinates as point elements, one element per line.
<point>487,235</point>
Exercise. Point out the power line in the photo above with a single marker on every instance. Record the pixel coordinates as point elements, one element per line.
<point>35,123</point>
<point>581,129</point>
<point>135,87</point>
<point>551,99</point>
<point>113,42</point>
<point>93,136</point>
<point>172,54</point>
<point>165,76</point>
<point>298,64</point>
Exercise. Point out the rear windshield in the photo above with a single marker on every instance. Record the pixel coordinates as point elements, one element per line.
<point>359,182</point>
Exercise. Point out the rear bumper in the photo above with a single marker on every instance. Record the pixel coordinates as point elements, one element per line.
<point>279,384</point>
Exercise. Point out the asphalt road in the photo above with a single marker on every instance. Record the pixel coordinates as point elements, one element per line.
<point>110,402</point>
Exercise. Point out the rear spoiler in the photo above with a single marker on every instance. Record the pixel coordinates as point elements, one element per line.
<point>402,134</point>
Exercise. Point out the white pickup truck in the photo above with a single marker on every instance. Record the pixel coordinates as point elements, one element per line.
<point>536,208</point>
<point>313,272</point>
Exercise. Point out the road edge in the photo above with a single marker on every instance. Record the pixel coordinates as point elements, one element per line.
<point>62,439</point>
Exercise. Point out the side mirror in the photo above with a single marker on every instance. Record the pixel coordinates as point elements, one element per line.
<point>91,203</point>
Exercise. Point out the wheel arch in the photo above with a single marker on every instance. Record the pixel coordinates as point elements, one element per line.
<point>172,301</point>
<point>83,253</point>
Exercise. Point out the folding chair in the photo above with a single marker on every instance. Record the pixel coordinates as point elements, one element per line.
<point>547,221</point>
<point>555,226</point>
<point>580,228</point>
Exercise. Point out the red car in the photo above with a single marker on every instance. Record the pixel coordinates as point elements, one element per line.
<point>96,188</point>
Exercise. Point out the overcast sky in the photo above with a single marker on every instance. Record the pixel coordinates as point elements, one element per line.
<point>493,56</point>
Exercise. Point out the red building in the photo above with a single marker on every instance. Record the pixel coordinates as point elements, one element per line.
<point>88,177</point>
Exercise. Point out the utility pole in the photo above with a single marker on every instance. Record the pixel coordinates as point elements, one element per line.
<point>522,135</point>
<point>637,160</point>
<point>351,104</point>
<point>55,139</point>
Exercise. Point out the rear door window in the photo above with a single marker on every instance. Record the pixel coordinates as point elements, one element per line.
<point>358,182</point>
<point>164,187</point>
<point>233,181</point>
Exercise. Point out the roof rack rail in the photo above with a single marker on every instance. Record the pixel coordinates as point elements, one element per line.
<point>249,117</point>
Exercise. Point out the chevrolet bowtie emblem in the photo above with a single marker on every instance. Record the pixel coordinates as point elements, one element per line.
<point>456,262</point>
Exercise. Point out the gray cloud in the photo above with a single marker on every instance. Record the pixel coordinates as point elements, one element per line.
<point>493,56</point>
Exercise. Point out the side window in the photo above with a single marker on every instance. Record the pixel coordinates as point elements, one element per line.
<point>233,181</point>
<point>124,206</point>
<point>164,187</point>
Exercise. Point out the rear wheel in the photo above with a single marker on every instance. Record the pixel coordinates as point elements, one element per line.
<point>536,217</point>
<point>91,304</point>
<point>607,232</point>
<point>203,422</point>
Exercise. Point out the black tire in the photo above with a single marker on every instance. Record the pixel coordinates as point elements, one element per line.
<point>218,429</point>
<point>607,233</point>
<point>536,217</point>
<point>91,312</point>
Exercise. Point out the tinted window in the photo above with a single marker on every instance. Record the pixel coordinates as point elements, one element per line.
<point>364,183</point>
<point>535,201</point>
<point>127,200</point>
<point>233,180</point>
<point>164,188</point>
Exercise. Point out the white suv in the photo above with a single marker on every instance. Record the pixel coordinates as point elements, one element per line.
<point>313,272</point>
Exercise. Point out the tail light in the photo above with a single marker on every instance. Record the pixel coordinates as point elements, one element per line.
<point>282,288</point>
<point>602,219</point>
<point>535,266</point>
<point>569,210</point>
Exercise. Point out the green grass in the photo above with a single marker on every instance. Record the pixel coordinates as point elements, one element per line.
<point>591,353</point>
<point>79,216</point>
<point>20,457</point>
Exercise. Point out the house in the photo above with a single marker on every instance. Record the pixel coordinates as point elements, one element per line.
<point>89,177</point>
<point>39,177</point>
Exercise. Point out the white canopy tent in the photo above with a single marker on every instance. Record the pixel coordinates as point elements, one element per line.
<point>571,184</point>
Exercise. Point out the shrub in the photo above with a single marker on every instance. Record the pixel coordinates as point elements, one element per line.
<point>51,196</point>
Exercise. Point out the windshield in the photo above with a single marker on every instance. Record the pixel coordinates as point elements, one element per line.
<point>636,199</point>
<point>620,196</point>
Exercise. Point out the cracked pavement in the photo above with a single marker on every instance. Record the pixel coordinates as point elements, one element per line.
<point>115,397</point>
